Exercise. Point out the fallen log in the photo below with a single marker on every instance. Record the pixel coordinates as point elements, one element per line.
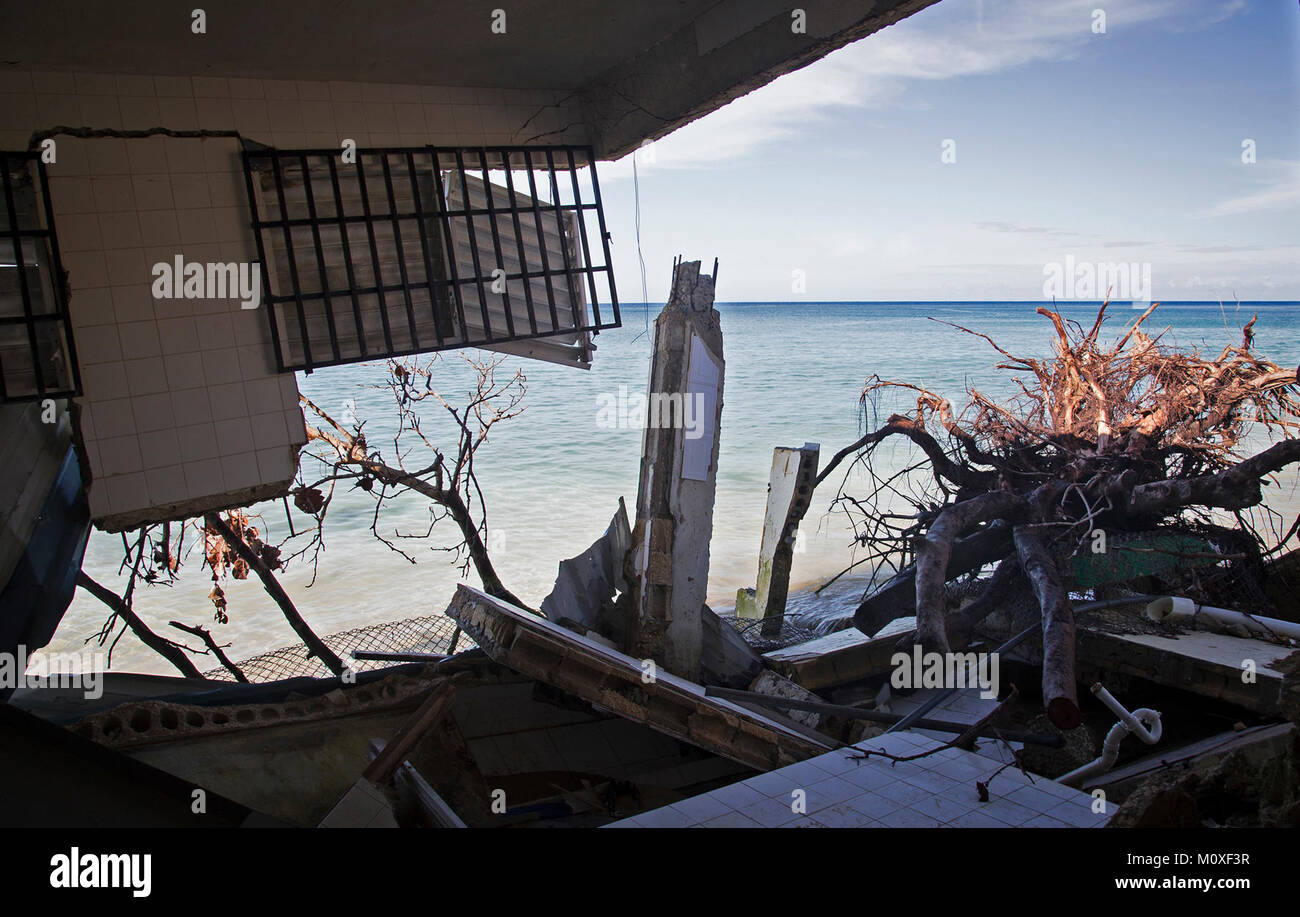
<point>1060,693</point>
<point>934,551</point>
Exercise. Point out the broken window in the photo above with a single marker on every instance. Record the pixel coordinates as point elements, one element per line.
<point>37,358</point>
<point>399,251</point>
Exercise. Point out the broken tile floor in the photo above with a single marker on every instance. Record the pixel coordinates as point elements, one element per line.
<point>937,791</point>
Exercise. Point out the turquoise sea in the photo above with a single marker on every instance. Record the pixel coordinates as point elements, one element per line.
<point>552,476</point>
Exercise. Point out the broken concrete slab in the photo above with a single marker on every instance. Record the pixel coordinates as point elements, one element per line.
<point>840,658</point>
<point>1247,779</point>
<point>636,689</point>
<point>725,657</point>
<point>1233,669</point>
<point>770,683</point>
<point>583,597</point>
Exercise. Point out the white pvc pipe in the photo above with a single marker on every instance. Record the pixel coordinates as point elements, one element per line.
<point>1218,618</point>
<point>1143,722</point>
<point>1136,723</point>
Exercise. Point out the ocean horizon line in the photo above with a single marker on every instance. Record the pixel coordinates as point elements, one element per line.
<point>980,302</point>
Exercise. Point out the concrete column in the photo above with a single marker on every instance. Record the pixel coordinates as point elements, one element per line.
<point>789,490</point>
<point>669,556</point>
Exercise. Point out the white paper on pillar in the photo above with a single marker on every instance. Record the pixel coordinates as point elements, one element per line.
<point>701,411</point>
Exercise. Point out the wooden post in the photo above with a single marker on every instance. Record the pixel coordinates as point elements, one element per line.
<point>429,714</point>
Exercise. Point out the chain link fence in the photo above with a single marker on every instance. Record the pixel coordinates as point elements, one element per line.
<point>435,634</point>
<point>430,634</point>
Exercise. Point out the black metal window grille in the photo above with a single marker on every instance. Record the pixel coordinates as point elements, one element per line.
<point>418,249</point>
<point>37,356</point>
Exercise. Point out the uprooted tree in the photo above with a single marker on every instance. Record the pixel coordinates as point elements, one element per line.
<point>1120,438</point>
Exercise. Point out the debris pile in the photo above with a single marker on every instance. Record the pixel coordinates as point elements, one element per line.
<point>1102,444</point>
<point>1104,528</point>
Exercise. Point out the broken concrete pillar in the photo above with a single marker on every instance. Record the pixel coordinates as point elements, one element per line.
<point>789,492</point>
<point>669,558</point>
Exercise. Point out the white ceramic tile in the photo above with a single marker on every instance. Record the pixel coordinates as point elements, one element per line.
<point>153,412</point>
<point>173,86</point>
<point>666,817</point>
<point>830,791</point>
<point>730,820</point>
<point>235,437</point>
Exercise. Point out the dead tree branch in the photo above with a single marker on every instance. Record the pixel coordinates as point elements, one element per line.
<point>313,643</point>
<point>446,479</point>
<point>172,652</point>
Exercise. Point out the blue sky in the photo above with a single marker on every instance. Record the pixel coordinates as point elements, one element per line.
<point>1117,147</point>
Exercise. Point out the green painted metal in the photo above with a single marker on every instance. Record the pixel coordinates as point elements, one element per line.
<point>1127,557</point>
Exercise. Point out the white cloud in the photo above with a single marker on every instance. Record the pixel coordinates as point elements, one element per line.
<point>1281,193</point>
<point>939,43</point>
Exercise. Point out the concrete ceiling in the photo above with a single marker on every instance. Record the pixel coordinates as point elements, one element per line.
<point>639,69</point>
<point>548,44</point>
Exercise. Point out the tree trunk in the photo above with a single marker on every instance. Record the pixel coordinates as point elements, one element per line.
<point>487,573</point>
<point>1060,695</point>
<point>276,591</point>
<point>932,555</point>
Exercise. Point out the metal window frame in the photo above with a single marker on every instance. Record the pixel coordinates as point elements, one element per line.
<point>56,312</point>
<point>442,280</point>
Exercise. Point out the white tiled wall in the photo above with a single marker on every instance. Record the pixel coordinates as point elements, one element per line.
<point>183,409</point>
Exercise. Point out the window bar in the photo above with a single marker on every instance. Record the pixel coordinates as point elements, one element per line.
<point>4,389</point>
<point>564,248</point>
<point>473,245</point>
<point>293,265</point>
<point>320,258</point>
<point>496,243</point>
<point>578,251</point>
<point>401,251</point>
<point>347,256</point>
<point>261,256</point>
<point>541,240</point>
<point>448,246</point>
<point>430,275</point>
<point>374,254</point>
<point>56,277</point>
<point>604,237</point>
<point>24,290</point>
<point>519,241</point>
<point>581,220</point>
